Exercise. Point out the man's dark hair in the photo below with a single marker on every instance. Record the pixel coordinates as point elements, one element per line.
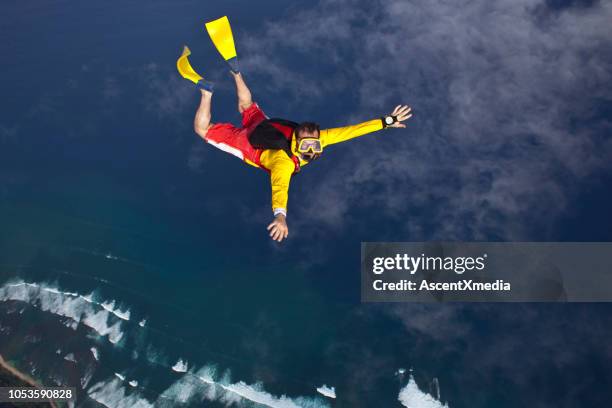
<point>309,127</point>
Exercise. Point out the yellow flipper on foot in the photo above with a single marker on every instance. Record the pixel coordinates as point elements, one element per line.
<point>185,69</point>
<point>220,33</point>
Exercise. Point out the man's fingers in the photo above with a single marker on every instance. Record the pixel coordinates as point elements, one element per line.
<point>404,117</point>
<point>278,232</point>
<point>404,110</point>
<point>401,110</point>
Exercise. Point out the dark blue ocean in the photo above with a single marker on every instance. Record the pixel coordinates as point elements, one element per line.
<point>134,260</point>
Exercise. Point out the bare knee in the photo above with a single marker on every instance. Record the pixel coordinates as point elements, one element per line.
<point>242,106</point>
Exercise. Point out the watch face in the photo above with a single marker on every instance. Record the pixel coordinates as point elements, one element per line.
<point>388,120</point>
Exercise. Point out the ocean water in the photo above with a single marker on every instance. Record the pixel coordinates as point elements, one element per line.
<point>135,265</point>
<point>134,311</point>
<point>108,309</point>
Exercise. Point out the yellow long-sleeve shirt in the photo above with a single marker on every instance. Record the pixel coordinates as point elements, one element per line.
<point>281,166</point>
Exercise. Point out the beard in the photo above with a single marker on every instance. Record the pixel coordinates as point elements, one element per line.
<point>310,156</point>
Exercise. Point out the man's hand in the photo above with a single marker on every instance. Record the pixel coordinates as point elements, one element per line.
<point>402,113</point>
<point>278,228</point>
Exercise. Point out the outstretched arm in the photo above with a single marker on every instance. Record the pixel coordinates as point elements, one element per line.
<point>342,134</point>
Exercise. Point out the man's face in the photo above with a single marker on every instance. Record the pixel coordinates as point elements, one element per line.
<point>305,135</point>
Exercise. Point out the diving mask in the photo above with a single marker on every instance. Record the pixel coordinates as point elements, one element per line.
<point>310,144</point>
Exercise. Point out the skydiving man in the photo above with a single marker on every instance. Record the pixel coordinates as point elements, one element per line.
<point>280,147</point>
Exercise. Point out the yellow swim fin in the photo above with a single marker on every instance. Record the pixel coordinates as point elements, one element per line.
<point>184,67</point>
<point>220,33</point>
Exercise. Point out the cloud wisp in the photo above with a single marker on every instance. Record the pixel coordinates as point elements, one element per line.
<point>506,97</point>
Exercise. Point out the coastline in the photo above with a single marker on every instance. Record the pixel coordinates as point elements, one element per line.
<point>18,379</point>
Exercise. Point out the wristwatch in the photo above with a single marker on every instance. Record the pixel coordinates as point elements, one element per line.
<point>388,120</point>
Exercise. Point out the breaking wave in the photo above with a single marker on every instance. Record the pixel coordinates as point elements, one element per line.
<point>106,319</point>
<point>329,392</point>
<point>411,396</point>
<point>180,366</point>
<point>101,317</point>
<point>120,389</point>
<point>194,387</point>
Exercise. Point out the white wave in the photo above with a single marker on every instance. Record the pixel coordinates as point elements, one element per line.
<point>110,306</point>
<point>412,397</point>
<point>70,357</point>
<point>180,366</point>
<point>112,394</point>
<point>202,384</point>
<point>77,308</point>
<point>107,320</point>
<point>99,322</point>
<point>95,353</point>
<point>329,392</point>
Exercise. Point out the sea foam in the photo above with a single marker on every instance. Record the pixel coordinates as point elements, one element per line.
<point>112,394</point>
<point>180,366</point>
<point>329,392</point>
<point>195,386</point>
<point>78,308</point>
<point>412,397</point>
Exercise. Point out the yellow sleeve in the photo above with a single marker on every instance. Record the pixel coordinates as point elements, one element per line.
<point>281,168</point>
<point>342,134</point>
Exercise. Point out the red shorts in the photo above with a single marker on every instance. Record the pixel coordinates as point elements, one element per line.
<point>234,140</point>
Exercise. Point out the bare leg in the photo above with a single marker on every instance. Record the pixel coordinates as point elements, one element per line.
<point>244,94</point>
<point>201,122</point>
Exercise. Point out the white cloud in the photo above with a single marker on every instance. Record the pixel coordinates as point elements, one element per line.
<point>504,96</point>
